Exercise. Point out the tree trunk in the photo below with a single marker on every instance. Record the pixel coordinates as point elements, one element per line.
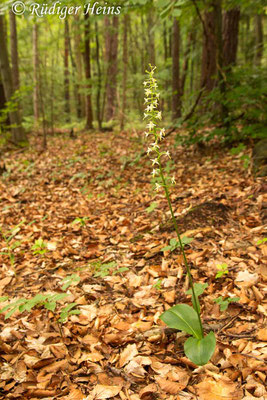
<point>230,36</point>
<point>14,50</point>
<point>18,133</point>
<point>99,79</point>
<point>66,71</point>
<point>125,68</point>
<point>36,88</point>
<point>78,58</point>
<point>111,57</point>
<point>258,39</point>
<point>208,71</point>
<point>87,64</point>
<point>176,95</point>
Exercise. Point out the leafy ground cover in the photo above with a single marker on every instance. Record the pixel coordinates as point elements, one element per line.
<point>84,221</point>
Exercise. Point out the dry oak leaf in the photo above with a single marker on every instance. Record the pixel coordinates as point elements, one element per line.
<point>128,354</point>
<point>104,392</point>
<point>169,386</point>
<point>148,390</point>
<point>223,389</point>
<point>74,394</point>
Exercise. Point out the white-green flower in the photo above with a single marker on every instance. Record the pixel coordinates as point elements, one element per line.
<point>155,161</point>
<point>173,180</point>
<point>154,172</point>
<point>157,186</point>
<point>151,125</point>
<point>159,116</point>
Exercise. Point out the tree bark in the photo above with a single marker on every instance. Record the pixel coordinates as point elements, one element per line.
<point>230,36</point>
<point>258,39</point>
<point>111,57</point>
<point>14,50</point>
<point>18,133</point>
<point>87,64</point>
<point>66,70</point>
<point>78,58</point>
<point>99,79</point>
<point>36,88</point>
<point>208,70</point>
<point>176,95</point>
<point>125,68</point>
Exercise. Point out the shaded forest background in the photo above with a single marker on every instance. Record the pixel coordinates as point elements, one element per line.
<point>86,72</point>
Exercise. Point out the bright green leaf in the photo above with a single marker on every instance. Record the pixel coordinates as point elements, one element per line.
<point>184,318</point>
<point>199,351</point>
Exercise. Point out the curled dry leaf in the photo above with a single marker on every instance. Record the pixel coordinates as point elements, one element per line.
<point>168,386</point>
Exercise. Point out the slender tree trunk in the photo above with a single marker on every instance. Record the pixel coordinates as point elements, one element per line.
<point>219,59</point>
<point>78,57</point>
<point>99,79</point>
<point>36,88</point>
<point>111,56</point>
<point>14,50</point>
<point>87,64</point>
<point>18,133</point>
<point>208,72</point>
<point>259,40</point>
<point>66,71</point>
<point>186,58</point>
<point>230,36</point>
<point>75,79</point>
<point>176,95</point>
<point>125,68</point>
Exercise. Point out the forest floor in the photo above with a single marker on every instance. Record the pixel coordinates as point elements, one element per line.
<point>85,212</point>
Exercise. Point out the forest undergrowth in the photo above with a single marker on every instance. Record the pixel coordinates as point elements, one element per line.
<point>81,222</point>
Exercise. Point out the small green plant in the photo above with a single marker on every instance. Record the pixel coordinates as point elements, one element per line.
<point>11,245</point>
<point>39,247</point>
<point>224,302</point>
<point>48,301</point>
<point>152,207</point>
<point>69,280</point>
<point>80,220</point>
<point>157,285</point>
<point>261,241</point>
<point>237,150</point>
<point>102,270</point>
<point>222,270</point>
<point>175,244</point>
<point>198,348</point>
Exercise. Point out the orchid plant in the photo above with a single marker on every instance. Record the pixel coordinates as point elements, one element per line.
<point>198,348</point>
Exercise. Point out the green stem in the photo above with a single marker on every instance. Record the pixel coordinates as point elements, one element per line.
<point>180,243</point>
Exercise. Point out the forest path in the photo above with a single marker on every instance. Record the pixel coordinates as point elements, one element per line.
<point>95,219</point>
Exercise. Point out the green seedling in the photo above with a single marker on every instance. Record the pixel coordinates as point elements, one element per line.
<point>152,207</point>
<point>69,280</point>
<point>198,348</point>
<point>11,245</point>
<point>261,241</point>
<point>222,270</point>
<point>157,285</point>
<point>102,270</point>
<point>80,220</point>
<point>224,302</point>
<point>48,301</point>
<point>39,247</point>
<point>175,244</point>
